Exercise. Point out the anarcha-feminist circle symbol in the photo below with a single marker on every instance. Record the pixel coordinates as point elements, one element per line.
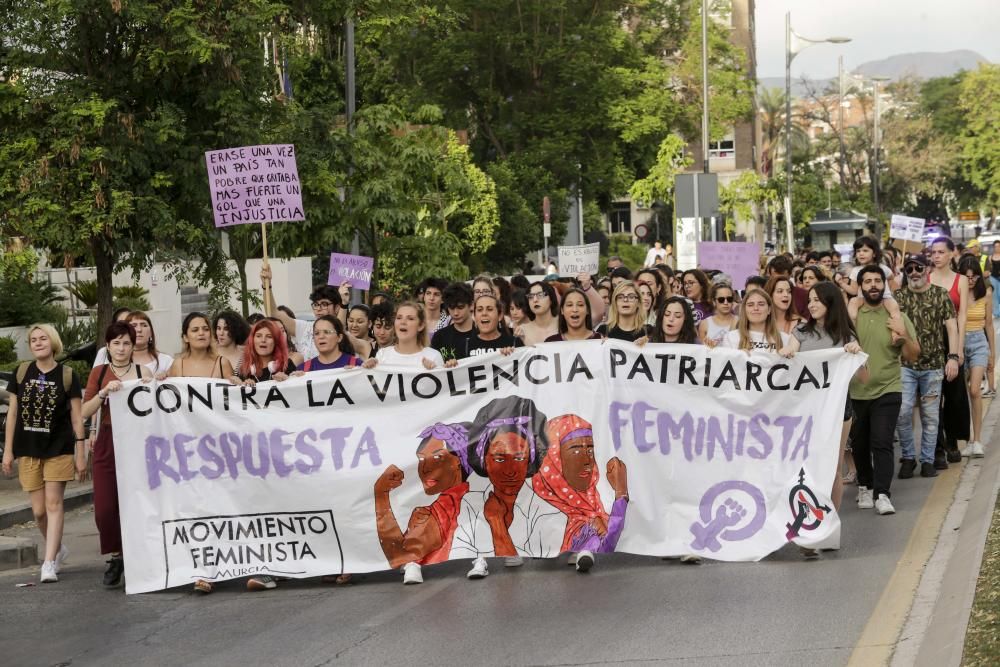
<point>807,512</point>
<point>739,515</point>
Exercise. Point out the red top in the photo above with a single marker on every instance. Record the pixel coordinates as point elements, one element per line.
<point>445,511</point>
<point>956,296</point>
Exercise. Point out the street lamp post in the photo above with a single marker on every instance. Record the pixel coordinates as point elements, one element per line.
<point>794,44</point>
<point>877,143</point>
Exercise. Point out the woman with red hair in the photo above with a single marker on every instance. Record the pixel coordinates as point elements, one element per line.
<point>568,480</point>
<point>265,357</point>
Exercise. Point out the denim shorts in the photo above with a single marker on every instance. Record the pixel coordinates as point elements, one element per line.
<point>977,349</point>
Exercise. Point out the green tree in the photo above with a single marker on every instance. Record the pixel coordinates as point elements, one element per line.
<point>980,139</point>
<point>106,113</point>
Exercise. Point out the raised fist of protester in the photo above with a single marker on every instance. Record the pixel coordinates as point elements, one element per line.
<point>584,280</point>
<point>391,478</point>
<point>618,477</point>
<point>345,292</point>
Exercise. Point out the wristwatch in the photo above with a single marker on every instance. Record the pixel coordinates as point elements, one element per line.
<point>952,357</point>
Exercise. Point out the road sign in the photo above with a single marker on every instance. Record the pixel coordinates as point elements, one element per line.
<point>969,216</point>
<point>546,211</point>
<point>641,231</point>
<point>546,229</point>
<point>697,195</point>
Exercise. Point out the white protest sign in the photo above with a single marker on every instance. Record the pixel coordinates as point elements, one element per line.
<point>906,228</point>
<point>695,450</point>
<point>846,251</point>
<point>574,259</point>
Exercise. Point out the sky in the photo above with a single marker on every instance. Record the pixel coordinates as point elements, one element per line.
<point>878,29</point>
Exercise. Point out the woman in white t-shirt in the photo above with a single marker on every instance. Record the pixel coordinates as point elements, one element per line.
<point>411,348</point>
<point>757,330</point>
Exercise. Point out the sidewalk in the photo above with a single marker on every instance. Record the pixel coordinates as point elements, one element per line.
<point>15,507</point>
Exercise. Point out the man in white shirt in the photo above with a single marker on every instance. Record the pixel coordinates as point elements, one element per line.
<point>656,255</point>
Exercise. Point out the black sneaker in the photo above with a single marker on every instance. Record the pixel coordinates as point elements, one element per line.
<point>928,470</point>
<point>114,576</point>
<point>954,454</point>
<point>940,461</point>
<point>906,468</point>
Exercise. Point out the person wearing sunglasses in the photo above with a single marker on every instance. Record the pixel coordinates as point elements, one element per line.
<point>714,328</point>
<point>932,314</point>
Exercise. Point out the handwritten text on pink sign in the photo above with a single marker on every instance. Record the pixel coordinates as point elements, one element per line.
<point>254,184</point>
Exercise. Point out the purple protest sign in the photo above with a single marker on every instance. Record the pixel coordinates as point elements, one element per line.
<point>254,184</point>
<point>354,269</point>
<point>738,260</point>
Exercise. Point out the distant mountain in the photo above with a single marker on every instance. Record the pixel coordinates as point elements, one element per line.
<point>923,65</point>
<point>926,65</point>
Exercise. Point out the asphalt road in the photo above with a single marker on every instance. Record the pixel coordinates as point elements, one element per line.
<point>628,610</point>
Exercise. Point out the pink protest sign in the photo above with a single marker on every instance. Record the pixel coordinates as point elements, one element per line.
<point>254,184</point>
<point>353,269</point>
<point>738,260</point>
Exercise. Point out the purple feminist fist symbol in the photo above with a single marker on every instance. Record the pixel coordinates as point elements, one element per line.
<point>722,523</point>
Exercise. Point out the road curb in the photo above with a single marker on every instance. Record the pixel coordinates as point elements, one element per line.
<point>934,632</point>
<point>21,513</point>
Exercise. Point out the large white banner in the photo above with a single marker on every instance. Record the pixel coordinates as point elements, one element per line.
<point>664,450</point>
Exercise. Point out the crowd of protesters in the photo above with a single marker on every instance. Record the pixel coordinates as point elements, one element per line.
<point>925,321</point>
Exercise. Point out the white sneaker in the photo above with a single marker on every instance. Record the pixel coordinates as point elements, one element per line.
<point>479,569</point>
<point>412,574</point>
<point>977,451</point>
<point>691,559</point>
<point>883,505</point>
<point>967,450</point>
<point>865,498</point>
<point>584,561</point>
<point>49,574</point>
<point>61,557</point>
<point>513,561</point>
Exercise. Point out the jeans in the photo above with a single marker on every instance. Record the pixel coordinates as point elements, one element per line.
<point>996,296</point>
<point>927,386</point>
<point>871,440</point>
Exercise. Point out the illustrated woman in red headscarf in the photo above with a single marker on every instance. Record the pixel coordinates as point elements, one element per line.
<point>443,469</point>
<point>568,479</point>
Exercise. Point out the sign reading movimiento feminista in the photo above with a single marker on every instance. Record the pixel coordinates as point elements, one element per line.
<point>254,184</point>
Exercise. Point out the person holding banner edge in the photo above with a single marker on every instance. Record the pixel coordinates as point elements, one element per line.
<point>104,380</point>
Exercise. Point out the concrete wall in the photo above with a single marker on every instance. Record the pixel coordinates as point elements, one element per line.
<point>292,283</point>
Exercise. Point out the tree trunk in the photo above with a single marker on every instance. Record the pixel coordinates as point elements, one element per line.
<point>104,262</point>
<point>238,253</point>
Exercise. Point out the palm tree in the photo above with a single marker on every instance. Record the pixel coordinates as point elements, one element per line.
<point>771,111</point>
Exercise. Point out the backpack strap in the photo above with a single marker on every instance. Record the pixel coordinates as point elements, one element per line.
<point>22,372</point>
<point>308,365</point>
